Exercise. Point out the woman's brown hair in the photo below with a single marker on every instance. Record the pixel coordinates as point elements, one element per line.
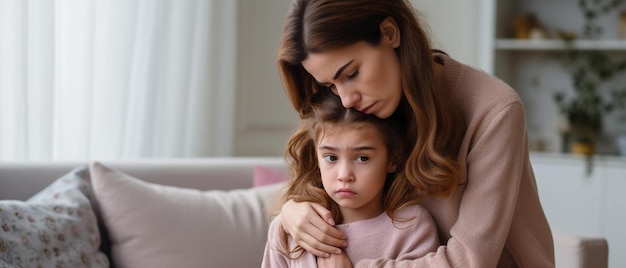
<point>435,127</point>
<point>306,181</point>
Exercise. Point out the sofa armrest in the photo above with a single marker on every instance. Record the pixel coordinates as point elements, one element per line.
<point>578,251</point>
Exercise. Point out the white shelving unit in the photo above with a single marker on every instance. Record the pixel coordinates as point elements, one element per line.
<point>504,44</point>
<point>530,66</point>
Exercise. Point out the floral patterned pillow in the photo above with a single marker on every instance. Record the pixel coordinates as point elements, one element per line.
<point>55,228</point>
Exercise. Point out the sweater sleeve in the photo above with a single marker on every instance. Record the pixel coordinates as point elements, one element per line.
<point>487,206</point>
<point>272,256</point>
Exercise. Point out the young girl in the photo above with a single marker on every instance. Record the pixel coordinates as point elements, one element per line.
<point>466,132</point>
<point>351,164</point>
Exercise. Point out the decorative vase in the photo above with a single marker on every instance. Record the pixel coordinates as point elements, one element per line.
<point>582,148</point>
<point>576,141</point>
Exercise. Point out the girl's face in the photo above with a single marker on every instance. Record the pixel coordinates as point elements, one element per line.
<point>366,77</point>
<point>354,163</point>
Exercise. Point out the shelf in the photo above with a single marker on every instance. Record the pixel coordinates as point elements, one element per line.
<point>618,161</point>
<point>556,44</point>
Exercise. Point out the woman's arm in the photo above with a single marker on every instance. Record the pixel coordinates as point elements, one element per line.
<point>312,227</point>
<point>489,200</point>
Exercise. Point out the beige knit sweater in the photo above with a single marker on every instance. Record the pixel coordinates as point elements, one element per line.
<point>495,219</point>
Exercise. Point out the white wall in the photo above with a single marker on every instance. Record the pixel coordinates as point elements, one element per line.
<point>265,118</point>
<point>454,26</point>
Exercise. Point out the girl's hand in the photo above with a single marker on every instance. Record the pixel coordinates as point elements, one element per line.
<point>334,261</point>
<point>312,227</point>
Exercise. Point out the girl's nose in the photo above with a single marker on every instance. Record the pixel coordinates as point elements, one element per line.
<point>345,173</point>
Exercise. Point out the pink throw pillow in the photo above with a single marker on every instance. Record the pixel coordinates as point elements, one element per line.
<point>266,176</point>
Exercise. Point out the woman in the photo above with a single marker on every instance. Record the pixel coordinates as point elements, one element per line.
<point>469,152</point>
<point>351,163</point>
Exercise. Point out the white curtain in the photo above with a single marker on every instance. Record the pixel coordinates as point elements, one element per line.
<point>111,79</point>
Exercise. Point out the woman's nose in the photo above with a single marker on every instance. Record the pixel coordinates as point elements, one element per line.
<point>349,97</point>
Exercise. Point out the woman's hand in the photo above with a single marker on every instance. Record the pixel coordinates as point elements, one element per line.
<point>334,261</point>
<point>312,227</point>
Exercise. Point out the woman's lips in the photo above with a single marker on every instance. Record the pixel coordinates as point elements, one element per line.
<point>367,109</point>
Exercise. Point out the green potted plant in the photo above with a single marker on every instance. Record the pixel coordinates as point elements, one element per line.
<point>590,71</point>
<point>592,97</point>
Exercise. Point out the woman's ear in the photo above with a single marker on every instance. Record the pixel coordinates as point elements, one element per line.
<point>390,32</point>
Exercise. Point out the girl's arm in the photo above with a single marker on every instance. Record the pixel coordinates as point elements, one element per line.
<point>312,227</point>
<point>334,261</point>
<point>272,257</point>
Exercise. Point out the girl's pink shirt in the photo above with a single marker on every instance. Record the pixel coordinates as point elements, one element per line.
<point>412,236</point>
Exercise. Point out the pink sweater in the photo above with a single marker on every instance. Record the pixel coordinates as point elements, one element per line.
<point>495,219</point>
<point>373,238</point>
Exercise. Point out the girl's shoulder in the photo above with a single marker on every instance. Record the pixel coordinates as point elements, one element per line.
<point>413,214</point>
<point>412,210</point>
<point>275,225</point>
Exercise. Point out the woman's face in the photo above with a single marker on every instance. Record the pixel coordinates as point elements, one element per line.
<point>366,77</point>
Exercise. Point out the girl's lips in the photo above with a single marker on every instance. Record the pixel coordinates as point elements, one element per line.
<point>345,192</point>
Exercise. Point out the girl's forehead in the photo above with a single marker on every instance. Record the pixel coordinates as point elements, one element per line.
<point>332,129</point>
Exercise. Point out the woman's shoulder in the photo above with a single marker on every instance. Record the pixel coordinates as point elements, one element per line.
<point>478,94</point>
<point>469,84</point>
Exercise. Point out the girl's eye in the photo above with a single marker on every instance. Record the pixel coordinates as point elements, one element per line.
<point>362,158</point>
<point>330,158</point>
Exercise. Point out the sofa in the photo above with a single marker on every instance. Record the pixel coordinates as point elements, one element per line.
<point>206,212</point>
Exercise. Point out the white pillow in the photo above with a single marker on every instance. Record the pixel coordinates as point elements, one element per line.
<point>153,225</point>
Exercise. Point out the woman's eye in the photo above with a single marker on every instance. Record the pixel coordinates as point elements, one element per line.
<point>330,158</point>
<point>362,158</point>
<point>353,75</point>
<point>333,88</point>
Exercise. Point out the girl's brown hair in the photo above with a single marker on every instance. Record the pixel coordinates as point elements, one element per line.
<point>306,182</point>
<point>435,126</point>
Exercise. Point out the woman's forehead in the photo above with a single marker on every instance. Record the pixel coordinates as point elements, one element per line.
<point>327,65</point>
